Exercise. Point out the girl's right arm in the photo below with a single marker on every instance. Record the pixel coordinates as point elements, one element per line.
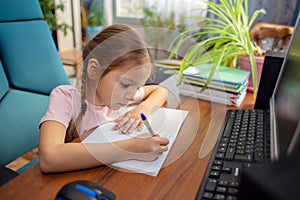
<point>57,156</point>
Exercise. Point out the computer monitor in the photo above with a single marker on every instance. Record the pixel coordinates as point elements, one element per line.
<point>270,72</point>
<point>285,101</point>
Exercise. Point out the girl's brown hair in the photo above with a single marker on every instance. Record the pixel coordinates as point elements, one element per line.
<point>113,47</point>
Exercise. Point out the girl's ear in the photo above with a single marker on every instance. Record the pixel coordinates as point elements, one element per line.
<point>93,69</point>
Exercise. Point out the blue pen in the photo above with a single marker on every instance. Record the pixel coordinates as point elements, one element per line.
<point>147,124</point>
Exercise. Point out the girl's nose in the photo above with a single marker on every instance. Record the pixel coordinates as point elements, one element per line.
<point>130,95</point>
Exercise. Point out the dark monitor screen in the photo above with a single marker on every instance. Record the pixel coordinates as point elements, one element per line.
<point>287,94</point>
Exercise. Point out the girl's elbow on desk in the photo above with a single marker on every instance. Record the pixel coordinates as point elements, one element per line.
<point>47,164</point>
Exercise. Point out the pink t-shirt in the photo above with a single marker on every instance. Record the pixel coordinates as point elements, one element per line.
<point>65,102</point>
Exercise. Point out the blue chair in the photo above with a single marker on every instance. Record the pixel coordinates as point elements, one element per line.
<point>30,68</point>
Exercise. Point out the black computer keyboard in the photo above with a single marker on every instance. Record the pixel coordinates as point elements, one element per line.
<point>243,142</point>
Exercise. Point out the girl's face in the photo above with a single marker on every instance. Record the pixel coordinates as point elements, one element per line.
<point>118,87</point>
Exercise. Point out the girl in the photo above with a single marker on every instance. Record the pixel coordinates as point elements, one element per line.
<point>116,65</point>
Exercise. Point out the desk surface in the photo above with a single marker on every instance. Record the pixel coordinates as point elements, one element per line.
<point>180,179</point>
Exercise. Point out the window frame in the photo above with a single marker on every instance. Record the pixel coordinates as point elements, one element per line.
<point>124,20</point>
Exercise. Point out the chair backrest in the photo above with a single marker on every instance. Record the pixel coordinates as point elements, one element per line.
<point>30,68</point>
<point>275,36</point>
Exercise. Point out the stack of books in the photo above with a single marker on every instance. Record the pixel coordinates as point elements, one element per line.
<point>228,85</point>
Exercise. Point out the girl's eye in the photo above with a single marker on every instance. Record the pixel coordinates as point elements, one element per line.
<point>125,85</point>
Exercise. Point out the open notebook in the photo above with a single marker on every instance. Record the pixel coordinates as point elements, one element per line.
<point>164,121</point>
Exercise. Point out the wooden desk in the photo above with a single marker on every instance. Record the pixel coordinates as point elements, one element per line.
<point>178,180</point>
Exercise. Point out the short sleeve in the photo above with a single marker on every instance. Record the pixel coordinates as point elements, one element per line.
<point>139,95</point>
<point>60,106</point>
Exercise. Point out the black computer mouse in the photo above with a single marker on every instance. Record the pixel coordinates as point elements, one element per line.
<point>84,190</point>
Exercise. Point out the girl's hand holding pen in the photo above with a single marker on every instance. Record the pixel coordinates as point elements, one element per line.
<point>148,148</point>
<point>144,147</point>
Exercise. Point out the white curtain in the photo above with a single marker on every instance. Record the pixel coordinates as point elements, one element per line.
<point>186,9</point>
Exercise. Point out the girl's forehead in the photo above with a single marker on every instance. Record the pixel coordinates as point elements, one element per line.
<point>133,73</point>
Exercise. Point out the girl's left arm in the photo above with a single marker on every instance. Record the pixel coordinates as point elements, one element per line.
<point>154,96</point>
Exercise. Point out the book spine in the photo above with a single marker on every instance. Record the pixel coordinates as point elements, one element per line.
<point>208,91</point>
<point>213,95</point>
<point>215,80</point>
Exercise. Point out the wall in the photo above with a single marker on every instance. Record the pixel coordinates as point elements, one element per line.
<point>71,16</point>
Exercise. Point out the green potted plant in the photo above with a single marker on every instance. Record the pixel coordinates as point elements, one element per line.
<point>95,21</point>
<point>48,8</point>
<point>221,39</point>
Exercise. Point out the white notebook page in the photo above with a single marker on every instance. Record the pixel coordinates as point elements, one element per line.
<point>165,121</point>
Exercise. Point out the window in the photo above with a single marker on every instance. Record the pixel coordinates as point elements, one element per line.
<point>163,19</point>
<point>128,11</point>
<point>132,11</point>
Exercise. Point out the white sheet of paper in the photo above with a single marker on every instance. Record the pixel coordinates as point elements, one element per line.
<point>164,121</point>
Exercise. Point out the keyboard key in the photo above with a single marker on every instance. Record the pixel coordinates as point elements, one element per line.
<point>217,162</point>
<point>221,149</point>
<point>219,197</point>
<point>232,140</point>
<point>232,144</point>
<point>216,167</point>
<point>258,156</point>
<point>233,191</point>
<point>247,165</point>
<point>259,141</point>
<point>223,183</point>
<point>220,156</point>
<point>240,147</point>
<point>211,185</point>
<point>221,189</point>
<point>207,195</point>
<point>229,197</point>
<point>243,158</point>
<point>234,137</point>
<point>228,126</point>
<point>229,153</point>
<point>259,145</point>
<point>226,170</point>
<point>236,171</point>
<point>239,151</point>
<point>258,149</point>
<point>223,144</point>
<point>214,174</point>
<point>234,184</point>
<point>248,151</point>
<point>224,139</point>
<point>249,146</point>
